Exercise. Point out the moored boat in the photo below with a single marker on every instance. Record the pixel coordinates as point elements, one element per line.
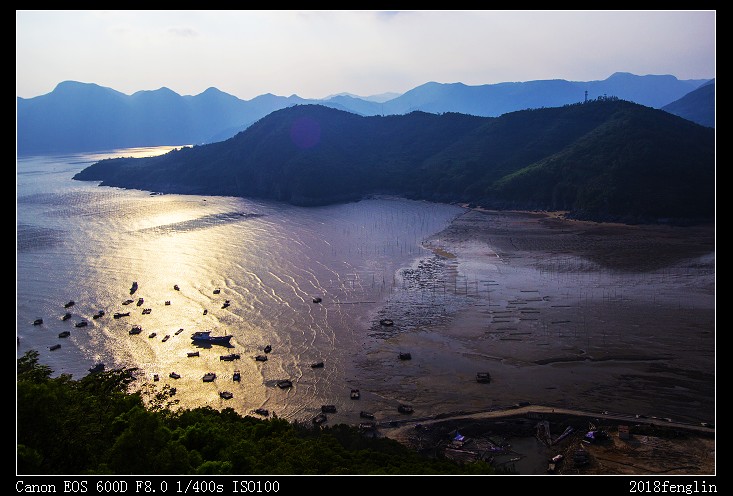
<point>405,356</point>
<point>366,415</point>
<point>66,316</point>
<point>237,376</point>
<point>192,354</point>
<point>133,288</point>
<point>96,368</point>
<point>136,330</point>
<point>118,315</point>
<point>405,409</point>
<point>70,304</point>
<point>355,394</point>
<point>206,337</point>
<point>54,347</point>
<point>230,357</point>
<point>262,411</point>
<point>227,395</point>
<point>64,334</point>
<point>173,375</point>
<point>83,323</point>
<point>284,384</point>
<point>317,365</point>
<point>38,322</point>
<point>319,419</point>
<point>209,377</point>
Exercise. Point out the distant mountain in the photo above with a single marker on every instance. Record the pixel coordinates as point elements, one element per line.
<point>696,106</point>
<point>85,117</point>
<point>605,159</point>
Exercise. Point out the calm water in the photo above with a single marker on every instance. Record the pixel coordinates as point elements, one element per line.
<point>78,241</point>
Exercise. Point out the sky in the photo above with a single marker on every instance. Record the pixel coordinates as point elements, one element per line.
<point>315,54</point>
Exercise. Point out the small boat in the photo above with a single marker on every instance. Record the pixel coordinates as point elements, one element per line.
<point>98,314</point>
<point>405,356</point>
<point>230,357</point>
<point>317,365</point>
<point>261,358</point>
<point>217,291</point>
<point>146,311</point>
<point>127,302</point>
<point>166,338</point>
<point>366,415</point>
<point>226,304</point>
<point>156,377</point>
<point>237,376</point>
<point>205,311</point>
<point>192,354</point>
<point>405,409</point>
<point>70,304</point>
<point>386,322</point>
<point>484,377</point>
<point>268,349</point>
<point>54,347</point>
<point>64,334</point>
<point>319,419</point>
<point>227,395</point>
<point>178,331</point>
<point>367,426</point>
<point>209,377</point>
<point>152,334</point>
<point>133,288</point>
<point>328,408</point>
<point>173,375</point>
<point>263,411</point>
<point>66,316</point>
<point>355,394</point>
<point>118,315</point>
<point>175,286</point>
<point>140,301</point>
<point>136,330</point>
<point>317,299</point>
<point>284,384</point>
<point>172,391</point>
<point>83,323</point>
<point>96,368</point>
<point>206,337</point>
<point>167,302</point>
<point>38,322</point>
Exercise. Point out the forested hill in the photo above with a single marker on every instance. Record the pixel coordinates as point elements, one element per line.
<point>602,160</point>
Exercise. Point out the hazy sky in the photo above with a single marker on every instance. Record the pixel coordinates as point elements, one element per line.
<point>317,53</point>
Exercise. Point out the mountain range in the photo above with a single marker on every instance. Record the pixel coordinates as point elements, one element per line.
<point>604,159</point>
<point>78,116</point>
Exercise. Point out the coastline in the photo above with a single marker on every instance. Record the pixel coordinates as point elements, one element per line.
<point>563,312</point>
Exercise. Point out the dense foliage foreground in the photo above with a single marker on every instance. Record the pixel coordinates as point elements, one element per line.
<point>101,424</point>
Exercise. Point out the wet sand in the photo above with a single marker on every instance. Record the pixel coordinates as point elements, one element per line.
<point>599,317</point>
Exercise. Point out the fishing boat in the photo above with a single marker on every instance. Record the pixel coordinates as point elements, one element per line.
<point>96,368</point>
<point>54,347</point>
<point>146,311</point>
<point>268,349</point>
<point>355,394</point>
<point>166,338</point>
<point>133,288</point>
<point>262,411</point>
<point>317,365</point>
<point>386,322</point>
<point>366,415</point>
<point>206,337</point>
<point>140,301</point>
<point>230,357</point>
<point>66,316</point>
<point>98,314</point>
<point>483,377</point>
<point>83,323</point>
<point>38,322</point>
<point>118,315</point>
<point>217,291</point>
<point>227,395</point>
<point>405,356</point>
<point>261,358</point>
<point>70,304</point>
<point>173,375</point>
<point>64,334</point>
<point>209,377</point>
<point>237,376</point>
<point>152,334</point>
<point>317,299</point>
<point>192,354</point>
<point>319,419</point>
<point>136,330</point>
<point>127,302</point>
<point>175,286</point>
<point>284,384</point>
<point>328,408</point>
<point>405,409</point>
